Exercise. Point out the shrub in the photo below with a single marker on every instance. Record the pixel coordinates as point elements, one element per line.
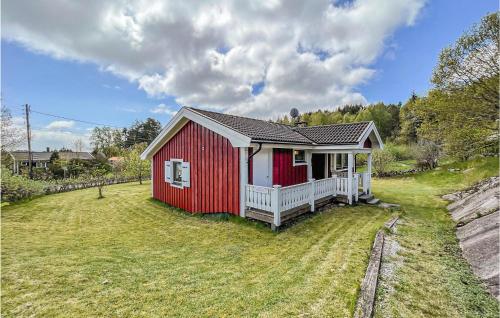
<point>15,188</point>
<point>427,155</point>
<point>401,151</point>
<point>380,160</point>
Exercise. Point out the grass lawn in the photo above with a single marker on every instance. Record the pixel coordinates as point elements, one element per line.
<point>72,255</point>
<point>433,279</point>
<point>395,166</point>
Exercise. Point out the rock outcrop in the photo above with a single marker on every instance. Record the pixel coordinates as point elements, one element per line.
<point>477,212</point>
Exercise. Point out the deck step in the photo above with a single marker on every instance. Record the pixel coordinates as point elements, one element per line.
<point>366,197</point>
<point>373,201</point>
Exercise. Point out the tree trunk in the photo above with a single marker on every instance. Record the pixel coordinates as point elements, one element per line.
<point>140,177</point>
<point>100,192</point>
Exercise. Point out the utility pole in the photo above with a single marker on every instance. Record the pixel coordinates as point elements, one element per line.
<point>28,133</point>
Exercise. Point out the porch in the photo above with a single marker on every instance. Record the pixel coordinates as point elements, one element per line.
<point>276,205</point>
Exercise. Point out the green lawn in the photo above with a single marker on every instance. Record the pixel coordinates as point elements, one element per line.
<point>72,255</point>
<point>433,280</point>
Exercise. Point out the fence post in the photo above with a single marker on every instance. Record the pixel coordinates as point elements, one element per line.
<point>276,205</point>
<point>311,193</point>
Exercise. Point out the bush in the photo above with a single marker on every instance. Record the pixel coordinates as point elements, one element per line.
<point>427,155</point>
<point>15,188</point>
<point>401,152</point>
<point>380,160</point>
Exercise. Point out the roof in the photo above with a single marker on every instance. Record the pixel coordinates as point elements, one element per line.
<point>45,156</point>
<point>256,129</point>
<point>265,131</point>
<point>242,131</point>
<point>338,134</point>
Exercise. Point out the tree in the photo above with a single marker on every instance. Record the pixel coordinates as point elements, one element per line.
<point>104,140</point>
<point>98,175</point>
<point>456,123</point>
<point>380,115</point>
<point>472,64</point>
<point>133,165</point>
<point>142,132</point>
<point>409,120</point>
<point>11,136</point>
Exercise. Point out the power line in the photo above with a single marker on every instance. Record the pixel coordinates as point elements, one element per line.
<point>78,120</point>
<point>89,122</point>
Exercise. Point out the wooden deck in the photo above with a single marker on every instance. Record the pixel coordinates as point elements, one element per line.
<point>288,215</point>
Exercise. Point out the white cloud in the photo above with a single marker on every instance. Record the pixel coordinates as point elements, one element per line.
<point>163,109</point>
<point>308,54</point>
<point>58,139</point>
<point>55,135</point>
<point>60,124</point>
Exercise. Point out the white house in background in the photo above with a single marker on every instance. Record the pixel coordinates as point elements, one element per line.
<point>208,162</point>
<point>41,159</point>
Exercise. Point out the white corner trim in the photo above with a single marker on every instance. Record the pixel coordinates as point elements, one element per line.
<point>243,179</point>
<point>180,119</point>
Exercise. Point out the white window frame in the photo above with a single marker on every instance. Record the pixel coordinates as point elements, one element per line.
<point>299,163</point>
<point>173,184</point>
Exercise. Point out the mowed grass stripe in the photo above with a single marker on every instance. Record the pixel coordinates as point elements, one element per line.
<point>73,255</point>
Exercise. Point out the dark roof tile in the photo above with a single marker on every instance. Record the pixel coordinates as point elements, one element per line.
<point>340,134</point>
<point>265,131</point>
<point>257,130</point>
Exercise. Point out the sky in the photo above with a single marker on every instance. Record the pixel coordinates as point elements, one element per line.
<point>114,62</point>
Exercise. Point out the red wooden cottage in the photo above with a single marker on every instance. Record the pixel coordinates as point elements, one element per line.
<point>208,162</point>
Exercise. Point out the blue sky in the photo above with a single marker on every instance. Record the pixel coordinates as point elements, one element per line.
<point>83,90</point>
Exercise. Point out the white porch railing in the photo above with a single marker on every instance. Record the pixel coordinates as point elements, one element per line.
<point>259,197</point>
<point>294,196</point>
<point>279,199</point>
<point>365,182</point>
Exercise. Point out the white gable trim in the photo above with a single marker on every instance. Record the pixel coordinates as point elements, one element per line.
<point>180,119</point>
<point>369,129</point>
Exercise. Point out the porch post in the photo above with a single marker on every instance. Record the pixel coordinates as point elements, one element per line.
<point>369,173</point>
<point>334,161</point>
<point>243,179</point>
<point>275,202</point>
<point>309,164</point>
<point>349,176</point>
<point>311,194</point>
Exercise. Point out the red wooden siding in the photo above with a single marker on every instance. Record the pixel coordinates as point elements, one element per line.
<point>284,173</point>
<point>214,172</point>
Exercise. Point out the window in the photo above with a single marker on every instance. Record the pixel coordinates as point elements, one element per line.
<point>177,173</point>
<point>299,157</point>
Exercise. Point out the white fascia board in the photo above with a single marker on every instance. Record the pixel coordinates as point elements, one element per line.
<point>369,129</point>
<point>235,138</point>
<point>180,119</point>
<point>338,148</point>
<point>284,146</point>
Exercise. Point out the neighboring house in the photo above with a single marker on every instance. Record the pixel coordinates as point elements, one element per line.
<point>41,159</point>
<point>208,162</point>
